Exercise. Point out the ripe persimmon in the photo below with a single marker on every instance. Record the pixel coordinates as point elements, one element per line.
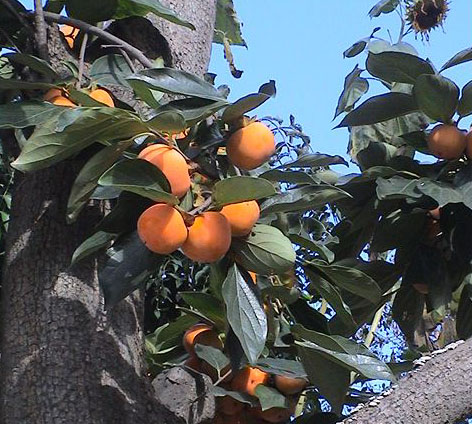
<point>228,405</point>
<point>289,385</point>
<point>202,334</point>
<point>162,229</point>
<point>194,363</point>
<point>52,94</point>
<point>447,142</point>
<point>242,217</point>
<point>251,146</point>
<point>70,33</point>
<point>253,276</point>
<point>102,96</point>
<point>171,163</point>
<point>247,379</point>
<point>468,146</point>
<point>62,101</point>
<point>209,238</point>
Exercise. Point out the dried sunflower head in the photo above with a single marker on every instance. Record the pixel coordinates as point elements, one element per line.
<point>425,15</point>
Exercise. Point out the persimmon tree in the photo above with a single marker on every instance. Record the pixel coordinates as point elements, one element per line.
<point>144,197</point>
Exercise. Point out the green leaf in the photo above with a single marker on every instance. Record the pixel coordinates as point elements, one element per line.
<point>354,88</point>
<point>140,177</point>
<point>219,391</point>
<point>250,102</point>
<point>87,180</point>
<point>383,6</point>
<point>227,24</point>
<point>344,352</point>
<point>245,314</point>
<point>380,108</point>
<point>397,67</point>
<point>461,57</point>
<point>168,121</point>
<point>34,63</point>
<point>315,160</point>
<point>407,310</point>
<point>315,246</point>
<point>464,312</point>
<point>73,131</point>
<point>436,96</point>
<point>110,69</point>
<point>193,110</point>
<point>170,334</point>
<point>303,199</point>
<point>173,81</point>
<point>397,187</point>
<point>90,10</point>
<point>331,379</point>
<point>465,103</point>
<point>208,305</point>
<point>350,279</point>
<point>9,23</point>
<point>265,250</point>
<point>241,189</point>
<point>292,177</point>
<point>357,48</point>
<point>94,243</point>
<point>270,397</point>
<point>129,263</point>
<point>142,7</point>
<point>214,357</point>
<point>11,84</point>
<point>280,366</point>
<point>333,297</point>
<point>27,114</point>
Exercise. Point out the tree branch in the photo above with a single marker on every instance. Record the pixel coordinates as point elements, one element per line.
<point>41,36</point>
<point>131,50</point>
<point>15,13</point>
<point>437,393</point>
<point>82,60</point>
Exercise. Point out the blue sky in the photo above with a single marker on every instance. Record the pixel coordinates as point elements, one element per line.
<point>300,44</point>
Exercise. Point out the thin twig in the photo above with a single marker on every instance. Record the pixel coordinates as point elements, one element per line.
<point>83,46</point>
<point>15,12</point>
<point>131,50</point>
<point>128,60</point>
<point>202,207</point>
<point>41,35</point>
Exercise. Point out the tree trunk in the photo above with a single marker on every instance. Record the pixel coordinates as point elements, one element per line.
<point>63,358</point>
<point>437,393</point>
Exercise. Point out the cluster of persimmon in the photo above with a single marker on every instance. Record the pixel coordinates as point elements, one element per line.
<point>206,237</point>
<point>449,142</point>
<point>60,97</point>
<point>245,380</point>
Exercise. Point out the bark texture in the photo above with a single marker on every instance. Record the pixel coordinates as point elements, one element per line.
<point>437,393</point>
<point>63,358</point>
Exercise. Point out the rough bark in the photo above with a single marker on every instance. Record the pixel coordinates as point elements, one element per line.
<point>437,393</point>
<point>63,358</point>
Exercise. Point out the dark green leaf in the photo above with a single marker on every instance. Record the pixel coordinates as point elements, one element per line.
<point>173,81</point>
<point>10,84</point>
<point>357,48</point>
<point>461,57</point>
<point>74,130</point>
<point>34,63</point>
<point>303,199</point>
<point>380,108</point>
<point>87,180</point>
<point>465,103</point>
<point>352,280</point>
<point>397,67</point>
<point>436,96</point>
<point>90,10</point>
<point>265,250</point>
<point>142,7</point>
<point>214,357</point>
<point>26,114</point>
<point>292,177</point>
<point>167,121</point>
<point>95,242</point>
<point>110,69</point>
<point>354,88</point>
<point>129,264</point>
<point>140,177</point>
<point>241,189</point>
<point>407,310</point>
<point>219,391</point>
<point>245,314</point>
<point>315,160</point>
<point>280,366</point>
<point>464,312</point>
<point>383,6</point>
<point>397,187</point>
<point>207,305</point>
<point>270,398</point>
